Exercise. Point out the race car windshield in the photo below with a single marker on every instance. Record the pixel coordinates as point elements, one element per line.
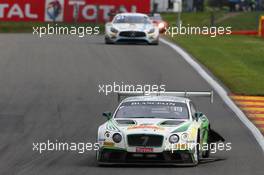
<point>158,18</point>
<point>153,109</point>
<point>132,19</point>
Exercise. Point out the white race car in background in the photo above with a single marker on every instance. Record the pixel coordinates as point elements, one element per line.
<point>131,27</point>
<point>158,128</point>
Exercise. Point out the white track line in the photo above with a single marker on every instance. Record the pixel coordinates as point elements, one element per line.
<point>220,90</point>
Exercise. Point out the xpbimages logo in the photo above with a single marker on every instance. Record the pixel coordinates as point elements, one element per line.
<point>48,146</point>
<point>55,29</point>
<point>192,30</point>
<point>117,87</point>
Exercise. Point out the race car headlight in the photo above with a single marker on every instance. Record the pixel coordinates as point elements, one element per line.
<point>161,25</point>
<point>117,138</point>
<point>107,134</point>
<point>112,29</point>
<point>174,138</point>
<point>151,30</point>
<point>185,136</point>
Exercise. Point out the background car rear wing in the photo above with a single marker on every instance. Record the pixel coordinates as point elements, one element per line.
<point>186,94</point>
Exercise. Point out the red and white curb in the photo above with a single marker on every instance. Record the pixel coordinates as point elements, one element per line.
<point>253,106</point>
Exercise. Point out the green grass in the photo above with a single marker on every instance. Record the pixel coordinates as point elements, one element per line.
<point>237,60</point>
<point>238,21</point>
<point>17,27</point>
<point>243,21</point>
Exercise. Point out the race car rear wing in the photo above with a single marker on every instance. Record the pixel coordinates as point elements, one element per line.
<point>185,94</point>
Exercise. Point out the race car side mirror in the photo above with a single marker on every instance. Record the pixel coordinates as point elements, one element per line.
<point>198,115</point>
<point>108,115</point>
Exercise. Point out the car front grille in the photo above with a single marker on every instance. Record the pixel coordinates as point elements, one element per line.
<point>132,34</point>
<point>145,140</point>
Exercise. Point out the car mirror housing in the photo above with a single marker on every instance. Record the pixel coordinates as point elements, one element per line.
<point>108,115</point>
<point>198,115</point>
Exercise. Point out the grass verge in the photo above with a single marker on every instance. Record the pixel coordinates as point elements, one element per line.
<point>238,20</point>
<point>237,60</point>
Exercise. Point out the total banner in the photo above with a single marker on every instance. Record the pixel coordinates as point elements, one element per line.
<point>68,10</point>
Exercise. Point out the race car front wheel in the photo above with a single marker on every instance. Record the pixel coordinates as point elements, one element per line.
<point>197,149</point>
<point>154,42</point>
<point>206,153</point>
<point>108,41</point>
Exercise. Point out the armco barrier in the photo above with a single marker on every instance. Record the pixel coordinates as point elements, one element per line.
<point>65,10</point>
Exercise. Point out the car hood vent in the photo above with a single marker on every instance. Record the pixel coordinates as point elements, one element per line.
<point>126,122</point>
<point>171,122</point>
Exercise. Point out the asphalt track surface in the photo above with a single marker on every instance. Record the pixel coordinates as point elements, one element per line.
<point>49,90</point>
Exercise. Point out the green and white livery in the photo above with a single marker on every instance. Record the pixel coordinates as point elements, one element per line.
<point>160,127</point>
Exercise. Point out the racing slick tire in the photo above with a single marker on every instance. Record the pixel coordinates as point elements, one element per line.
<point>98,159</point>
<point>197,151</point>
<point>154,43</point>
<point>206,153</point>
<point>108,41</point>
